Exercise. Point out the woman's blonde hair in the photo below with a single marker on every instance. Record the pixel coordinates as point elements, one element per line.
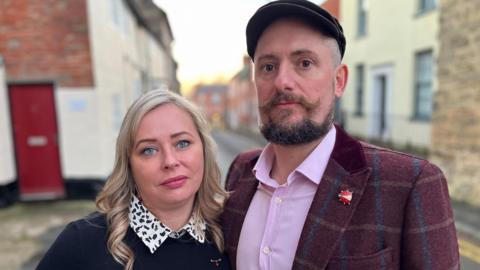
<point>114,199</point>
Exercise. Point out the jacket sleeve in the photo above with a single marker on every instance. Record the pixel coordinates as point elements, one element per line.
<point>429,236</point>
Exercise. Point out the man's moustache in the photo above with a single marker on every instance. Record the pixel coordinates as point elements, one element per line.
<point>280,98</point>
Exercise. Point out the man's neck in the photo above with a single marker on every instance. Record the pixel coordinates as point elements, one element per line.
<point>288,158</point>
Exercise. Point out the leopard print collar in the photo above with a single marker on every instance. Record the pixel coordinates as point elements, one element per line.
<point>153,232</point>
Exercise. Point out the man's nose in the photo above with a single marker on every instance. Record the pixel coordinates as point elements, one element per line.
<point>285,78</point>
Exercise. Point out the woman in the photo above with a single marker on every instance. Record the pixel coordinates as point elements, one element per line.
<point>159,207</point>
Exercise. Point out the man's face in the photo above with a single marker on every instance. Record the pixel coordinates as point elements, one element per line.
<point>297,79</point>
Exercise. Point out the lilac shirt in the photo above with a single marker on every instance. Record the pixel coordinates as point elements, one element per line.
<point>275,218</point>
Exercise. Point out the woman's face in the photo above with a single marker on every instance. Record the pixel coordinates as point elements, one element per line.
<point>167,159</point>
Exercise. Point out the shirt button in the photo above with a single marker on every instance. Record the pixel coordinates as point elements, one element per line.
<point>266,250</point>
<point>278,200</point>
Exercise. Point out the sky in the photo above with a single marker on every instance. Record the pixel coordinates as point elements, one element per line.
<point>209,37</point>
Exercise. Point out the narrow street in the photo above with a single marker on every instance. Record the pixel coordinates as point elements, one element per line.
<point>29,228</point>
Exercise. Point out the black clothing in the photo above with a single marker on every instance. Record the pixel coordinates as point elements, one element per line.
<point>83,245</point>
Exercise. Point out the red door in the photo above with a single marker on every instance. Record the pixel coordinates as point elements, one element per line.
<point>36,141</point>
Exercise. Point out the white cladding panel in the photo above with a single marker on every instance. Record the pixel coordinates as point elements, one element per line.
<point>7,156</point>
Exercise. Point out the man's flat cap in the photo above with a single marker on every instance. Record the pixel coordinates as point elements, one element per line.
<point>312,14</point>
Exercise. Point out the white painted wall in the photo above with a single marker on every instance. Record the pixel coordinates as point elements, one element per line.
<point>395,32</point>
<point>160,64</point>
<point>7,157</point>
<point>113,53</point>
<point>89,118</point>
<point>79,133</point>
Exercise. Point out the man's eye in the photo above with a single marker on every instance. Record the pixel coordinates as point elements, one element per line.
<point>149,151</point>
<point>183,144</point>
<point>306,63</point>
<point>268,67</point>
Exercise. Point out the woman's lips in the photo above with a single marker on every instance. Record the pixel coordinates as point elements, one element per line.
<point>175,182</point>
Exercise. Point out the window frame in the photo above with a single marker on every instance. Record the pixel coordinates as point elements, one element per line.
<point>426,5</point>
<point>362,17</point>
<point>420,86</point>
<point>359,89</point>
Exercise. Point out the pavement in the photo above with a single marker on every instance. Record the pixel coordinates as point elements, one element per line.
<point>29,228</point>
<point>467,220</point>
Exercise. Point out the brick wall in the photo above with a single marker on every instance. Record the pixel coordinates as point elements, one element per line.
<point>456,121</point>
<point>242,99</point>
<point>213,100</point>
<point>46,40</point>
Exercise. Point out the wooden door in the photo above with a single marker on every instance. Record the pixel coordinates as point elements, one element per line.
<point>36,141</point>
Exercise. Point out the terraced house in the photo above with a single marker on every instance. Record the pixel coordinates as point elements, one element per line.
<point>391,52</point>
<point>70,69</point>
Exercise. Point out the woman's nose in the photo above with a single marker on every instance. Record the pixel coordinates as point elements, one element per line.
<point>170,160</point>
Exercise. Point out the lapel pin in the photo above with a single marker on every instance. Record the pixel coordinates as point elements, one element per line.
<point>216,262</point>
<point>345,196</point>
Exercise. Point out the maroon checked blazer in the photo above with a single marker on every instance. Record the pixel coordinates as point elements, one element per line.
<point>400,215</point>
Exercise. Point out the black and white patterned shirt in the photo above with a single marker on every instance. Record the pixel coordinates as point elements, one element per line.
<point>153,232</point>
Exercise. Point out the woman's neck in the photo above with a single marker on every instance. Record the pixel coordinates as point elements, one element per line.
<point>174,217</point>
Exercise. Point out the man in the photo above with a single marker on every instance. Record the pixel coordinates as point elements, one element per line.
<point>314,197</point>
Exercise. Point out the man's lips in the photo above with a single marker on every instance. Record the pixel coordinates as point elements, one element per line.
<point>285,104</point>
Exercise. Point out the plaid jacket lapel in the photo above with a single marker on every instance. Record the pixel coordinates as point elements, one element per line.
<point>328,217</point>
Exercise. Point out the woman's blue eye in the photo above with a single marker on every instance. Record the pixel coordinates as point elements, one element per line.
<point>183,144</point>
<point>149,151</point>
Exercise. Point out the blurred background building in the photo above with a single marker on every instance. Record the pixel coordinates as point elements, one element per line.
<point>213,100</point>
<point>391,52</point>
<point>69,70</point>
<point>455,144</point>
<point>242,112</point>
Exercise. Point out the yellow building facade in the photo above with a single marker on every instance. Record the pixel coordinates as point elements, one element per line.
<point>392,47</point>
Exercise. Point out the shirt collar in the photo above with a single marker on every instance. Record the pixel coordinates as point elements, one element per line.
<point>316,162</point>
<point>312,167</point>
<point>153,232</point>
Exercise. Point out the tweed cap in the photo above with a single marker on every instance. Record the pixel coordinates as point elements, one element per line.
<point>312,14</point>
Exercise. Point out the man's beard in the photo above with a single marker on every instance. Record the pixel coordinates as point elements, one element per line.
<point>301,132</point>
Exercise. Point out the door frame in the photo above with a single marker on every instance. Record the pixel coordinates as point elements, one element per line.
<point>386,70</point>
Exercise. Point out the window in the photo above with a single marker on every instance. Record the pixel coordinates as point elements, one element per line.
<point>117,111</point>
<point>216,98</point>
<point>120,15</point>
<point>423,85</point>
<point>115,9</point>
<point>426,5</point>
<point>362,18</point>
<point>359,86</point>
